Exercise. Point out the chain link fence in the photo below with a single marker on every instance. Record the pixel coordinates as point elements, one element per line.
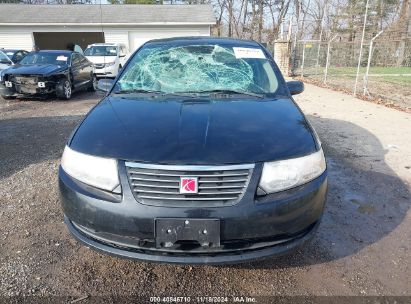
<point>384,71</point>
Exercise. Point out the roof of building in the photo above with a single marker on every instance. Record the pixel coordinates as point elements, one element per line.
<point>131,14</point>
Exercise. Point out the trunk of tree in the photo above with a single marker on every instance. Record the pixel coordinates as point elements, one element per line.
<point>403,25</point>
<point>244,17</point>
<point>230,18</point>
<point>252,18</point>
<point>260,19</point>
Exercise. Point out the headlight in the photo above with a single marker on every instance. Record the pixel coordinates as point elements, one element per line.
<point>285,174</point>
<point>92,170</point>
<point>110,64</point>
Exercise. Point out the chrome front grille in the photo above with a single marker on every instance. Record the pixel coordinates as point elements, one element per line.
<point>160,184</point>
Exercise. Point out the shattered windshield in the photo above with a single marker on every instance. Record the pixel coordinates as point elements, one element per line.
<point>199,69</point>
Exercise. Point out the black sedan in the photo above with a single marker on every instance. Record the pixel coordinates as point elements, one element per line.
<point>45,72</point>
<point>15,55</point>
<point>197,154</point>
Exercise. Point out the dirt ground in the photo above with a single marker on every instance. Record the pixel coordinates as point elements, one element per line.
<point>393,94</point>
<point>363,246</point>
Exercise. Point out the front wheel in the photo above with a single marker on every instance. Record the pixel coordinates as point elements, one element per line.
<point>93,84</point>
<point>63,89</point>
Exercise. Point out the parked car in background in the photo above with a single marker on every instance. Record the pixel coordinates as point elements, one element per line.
<point>15,55</point>
<point>108,58</point>
<point>197,154</point>
<point>46,72</point>
<point>5,62</point>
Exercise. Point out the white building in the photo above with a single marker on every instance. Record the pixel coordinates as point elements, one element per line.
<point>54,26</point>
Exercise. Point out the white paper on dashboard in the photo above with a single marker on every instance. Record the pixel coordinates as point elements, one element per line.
<point>240,52</point>
<point>61,58</point>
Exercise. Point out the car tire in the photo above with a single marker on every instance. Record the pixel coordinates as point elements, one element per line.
<point>6,97</point>
<point>64,89</point>
<point>93,85</point>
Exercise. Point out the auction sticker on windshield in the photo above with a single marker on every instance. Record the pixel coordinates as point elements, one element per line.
<point>248,53</point>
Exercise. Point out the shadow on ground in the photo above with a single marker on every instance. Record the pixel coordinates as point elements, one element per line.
<point>79,96</point>
<point>26,141</point>
<point>366,199</point>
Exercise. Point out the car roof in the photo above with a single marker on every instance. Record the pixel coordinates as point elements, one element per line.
<point>101,43</point>
<point>206,40</point>
<point>67,52</point>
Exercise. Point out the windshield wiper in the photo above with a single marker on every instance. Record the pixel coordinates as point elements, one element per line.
<point>222,91</point>
<point>138,91</point>
<point>152,92</point>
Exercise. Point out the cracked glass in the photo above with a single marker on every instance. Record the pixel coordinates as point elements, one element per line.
<point>196,68</point>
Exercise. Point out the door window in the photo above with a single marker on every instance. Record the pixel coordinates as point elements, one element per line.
<point>122,51</point>
<point>76,60</point>
<point>19,56</point>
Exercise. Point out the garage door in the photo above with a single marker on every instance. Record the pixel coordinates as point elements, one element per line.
<point>60,40</point>
<point>137,38</point>
<point>16,40</point>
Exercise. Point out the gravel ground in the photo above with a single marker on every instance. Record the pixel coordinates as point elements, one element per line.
<point>362,246</point>
<point>381,90</point>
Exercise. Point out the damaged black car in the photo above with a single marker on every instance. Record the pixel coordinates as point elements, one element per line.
<point>197,154</point>
<point>42,73</point>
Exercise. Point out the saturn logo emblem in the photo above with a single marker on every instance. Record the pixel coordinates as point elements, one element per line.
<point>188,185</point>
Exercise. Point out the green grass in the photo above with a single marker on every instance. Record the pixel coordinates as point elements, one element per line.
<point>396,79</point>
<point>373,70</point>
<point>350,72</point>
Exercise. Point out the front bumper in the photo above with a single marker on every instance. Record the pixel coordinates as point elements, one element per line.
<point>110,71</point>
<point>251,229</point>
<point>27,90</point>
<point>228,257</point>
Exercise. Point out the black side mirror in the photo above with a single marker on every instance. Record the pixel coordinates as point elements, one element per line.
<point>295,87</point>
<point>104,85</point>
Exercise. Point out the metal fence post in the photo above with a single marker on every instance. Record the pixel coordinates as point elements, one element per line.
<point>327,61</point>
<point>369,63</point>
<point>362,43</point>
<point>302,62</point>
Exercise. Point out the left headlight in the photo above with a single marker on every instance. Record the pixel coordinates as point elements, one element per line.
<point>285,174</point>
<point>92,170</point>
<point>109,64</point>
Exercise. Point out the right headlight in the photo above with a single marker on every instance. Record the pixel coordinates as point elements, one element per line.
<point>95,171</point>
<point>285,174</point>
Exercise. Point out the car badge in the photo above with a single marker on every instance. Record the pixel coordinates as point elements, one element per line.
<point>188,185</point>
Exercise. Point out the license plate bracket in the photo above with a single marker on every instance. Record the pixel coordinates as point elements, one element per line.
<point>169,231</point>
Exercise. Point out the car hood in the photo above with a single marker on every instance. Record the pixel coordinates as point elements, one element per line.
<point>194,131</point>
<point>101,59</point>
<point>39,69</point>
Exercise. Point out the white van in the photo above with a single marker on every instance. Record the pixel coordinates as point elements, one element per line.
<point>108,58</point>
